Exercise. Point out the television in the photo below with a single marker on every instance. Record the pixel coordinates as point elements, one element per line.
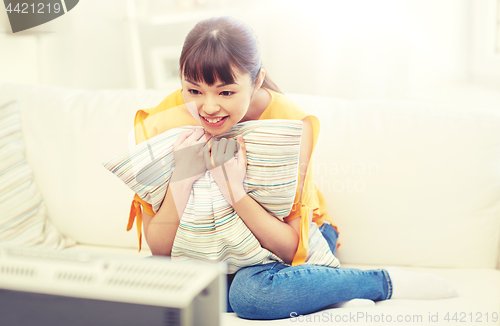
<point>49,287</point>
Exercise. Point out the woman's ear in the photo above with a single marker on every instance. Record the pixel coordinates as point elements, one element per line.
<point>260,80</point>
<point>262,76</point>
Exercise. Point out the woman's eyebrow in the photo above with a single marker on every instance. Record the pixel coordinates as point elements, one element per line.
<point>225,84</point>
<point>192,82</point>
<point>220,85</point>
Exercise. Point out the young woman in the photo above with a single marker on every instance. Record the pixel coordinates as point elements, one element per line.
<point>221,71</point>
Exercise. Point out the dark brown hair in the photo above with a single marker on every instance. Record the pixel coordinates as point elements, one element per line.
<point>216,44</point>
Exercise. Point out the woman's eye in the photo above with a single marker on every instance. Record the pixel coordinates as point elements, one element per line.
<point>193,90</point>
<point>227,93</point>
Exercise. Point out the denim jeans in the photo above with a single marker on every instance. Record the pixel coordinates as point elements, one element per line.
<point>275,290</point>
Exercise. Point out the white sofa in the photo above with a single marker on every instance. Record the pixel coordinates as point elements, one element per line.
<point>411,184</point>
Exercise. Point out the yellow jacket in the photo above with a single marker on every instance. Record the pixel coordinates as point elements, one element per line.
<point>172,113</point>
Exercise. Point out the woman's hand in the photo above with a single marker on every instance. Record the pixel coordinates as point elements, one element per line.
<point>228,172</point>
<point>190,165</point>
<point>189,151</point>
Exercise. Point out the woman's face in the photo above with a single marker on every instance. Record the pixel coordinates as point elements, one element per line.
<point>220,106</point>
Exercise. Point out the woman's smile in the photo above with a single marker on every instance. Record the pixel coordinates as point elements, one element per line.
<point>222,104</point>
<point>215,121</point>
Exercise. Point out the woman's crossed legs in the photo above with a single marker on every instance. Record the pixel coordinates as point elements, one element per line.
<point>275,290</point>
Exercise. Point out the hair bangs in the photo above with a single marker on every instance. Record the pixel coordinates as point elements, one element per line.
<point>208,63</point>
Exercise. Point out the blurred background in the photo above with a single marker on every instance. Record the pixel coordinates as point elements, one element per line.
<point>439,50</point>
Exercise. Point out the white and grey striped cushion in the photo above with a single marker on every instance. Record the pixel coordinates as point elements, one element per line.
<point>210,229</point>
<point>23,220</point>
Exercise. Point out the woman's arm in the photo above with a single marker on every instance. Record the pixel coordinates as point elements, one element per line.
<point>160,229</point>
<point>274,235</point>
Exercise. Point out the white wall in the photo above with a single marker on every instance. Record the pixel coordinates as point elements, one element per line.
<point>485,60</point>
<point>350,49</point>
<point>86,48</point>
<point>368,49</point>
<point>90,48</point>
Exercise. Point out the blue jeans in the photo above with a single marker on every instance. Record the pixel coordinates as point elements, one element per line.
<point>275,290</point>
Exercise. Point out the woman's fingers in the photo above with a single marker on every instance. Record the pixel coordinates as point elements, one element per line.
<point>197,135</point>
<point>218,152</point>
<point>215,148</point>
<point>214,144</point>
<point>182,137</point>
<point>230,148</point>
<point>207,157</point>
<point>221,149</point>
<point>206,137</point>
<point>242,152</point>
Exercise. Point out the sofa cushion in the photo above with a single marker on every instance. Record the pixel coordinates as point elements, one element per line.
<point>69,130</point>
<point>23,218</point>
<point>409,183</point>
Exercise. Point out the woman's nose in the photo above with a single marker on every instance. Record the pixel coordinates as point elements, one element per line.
<point>210,107</point>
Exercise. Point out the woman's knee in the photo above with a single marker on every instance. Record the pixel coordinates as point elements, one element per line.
<point>249,305</point>
<point>242,295</point>
<point>249,294</point>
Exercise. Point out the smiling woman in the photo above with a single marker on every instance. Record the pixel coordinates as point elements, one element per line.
<point>222,105</point>
<point>224,84</point>
<point>221,70</point>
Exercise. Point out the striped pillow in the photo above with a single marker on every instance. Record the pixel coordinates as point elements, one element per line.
<point>210,228</point>
<point>272,155</point>
<point>23,220</point>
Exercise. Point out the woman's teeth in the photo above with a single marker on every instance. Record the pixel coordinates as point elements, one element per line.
<point>214,120</point>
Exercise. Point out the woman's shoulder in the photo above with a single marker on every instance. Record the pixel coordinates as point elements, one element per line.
<point>170,101</point>
<point>282,107</point>
<point>169,114</point>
